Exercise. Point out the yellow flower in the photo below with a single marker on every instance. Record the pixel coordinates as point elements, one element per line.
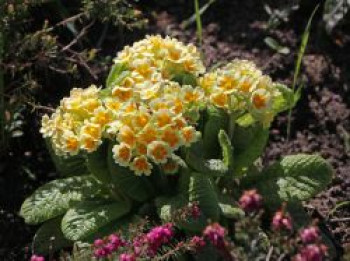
<point>158,151</point>
<point>89,144</point>
<point>101,117</point>
<point>260,99</point>
<point>127,136</point>
<point>140,165</point>
<point>170,167</point>
<point>71,142</point>
<point>219,99</point>
<point>189,135</point>
<point>122,93</point>
<point>122,154</point>
<point>148,134</point>
<point>92,130</point>
<point>172,137</point>
<point>163,118</point>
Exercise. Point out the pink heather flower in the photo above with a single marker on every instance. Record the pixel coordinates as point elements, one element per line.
<point>250,201</point>
<point>195,211</point>
<point>37,258</point>
<point>100,252</point>
<point>115,242</point>
<point>309,235</point>
<point>311,253</point>
<point>281,221</point>
<point>98,242</point>
<point>197,242</point>
<point>215,234</point>
<point>127,257</point>
<point>158,236</point>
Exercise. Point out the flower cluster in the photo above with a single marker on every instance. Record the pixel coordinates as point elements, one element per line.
<point>250,201</point>
<point>146,112</point>
<point>160,58</point>
<point>240,87</point>
<point>103,248</point>
<point>215,234</point>
<point>282,221</point>
<point>78,123</point>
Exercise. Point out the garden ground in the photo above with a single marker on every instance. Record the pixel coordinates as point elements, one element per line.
<point>232,29</point>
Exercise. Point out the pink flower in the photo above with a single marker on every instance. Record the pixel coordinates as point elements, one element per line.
<point>215,234</point>
<point>197,242</point>
<point>281,221</point>
<point>250,201</point>
<point>311,253</point>
<point>37,258</point>
<point>98,242</point>
<point>195,211</point>
<point>309,235</point>
<point>100,252</point>
<point>127,257</point>
<point>158,236</point>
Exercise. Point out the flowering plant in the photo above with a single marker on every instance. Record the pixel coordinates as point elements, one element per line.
<point>161,135</point>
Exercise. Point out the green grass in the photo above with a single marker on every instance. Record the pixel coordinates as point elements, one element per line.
<point>302,48</point>
<point>198,23</point>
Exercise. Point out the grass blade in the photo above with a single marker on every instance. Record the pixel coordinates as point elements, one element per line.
<point>304,42</point>
<point>199,23</point>
<point>2,93</point>
<point>192,19</point>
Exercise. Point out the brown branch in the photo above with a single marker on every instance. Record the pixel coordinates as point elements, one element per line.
<point>78,37</point>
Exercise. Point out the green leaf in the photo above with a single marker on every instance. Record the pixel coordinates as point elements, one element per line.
<point>115,226</point>
<point>334,12</point>
<point>216,120</point>
<point>49,238</point>
<point>67,166</point>
<point>86,218</point>
<point>284,101</point>
<point>294,178</point>
<point>116,75</point>
<point>136,187</point>
<point>202,190</point>
<point>227,149</point>
<point>249,144</point>
<point>211,167</point>
<point>273,44</point>
<point>185,79</point>
<point>97,163</point>
<point>168,209</point>
<point>230,211</point>
<point>54,198</point>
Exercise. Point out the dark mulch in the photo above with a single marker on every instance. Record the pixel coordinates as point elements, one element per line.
<point>232,29</point>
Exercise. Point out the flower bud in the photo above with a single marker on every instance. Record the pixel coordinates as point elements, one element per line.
<point>250,201</point>
<point>309,235</point>
<point>281,221</point>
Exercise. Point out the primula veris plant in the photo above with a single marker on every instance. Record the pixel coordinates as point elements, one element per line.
<point>164,134</point>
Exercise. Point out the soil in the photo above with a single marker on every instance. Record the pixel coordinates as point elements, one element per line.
<point>231,29</point>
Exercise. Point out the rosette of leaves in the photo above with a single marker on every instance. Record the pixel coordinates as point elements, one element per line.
<point>214,172</point>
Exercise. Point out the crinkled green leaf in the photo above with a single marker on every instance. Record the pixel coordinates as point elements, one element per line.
<point>216,120</point>
<point>249,144</point>
<point>97,163</point>
<point>138,188</point>
<point>294,178</point>
<point>49,238</point>
<point>54,198</point>
<point>168,208</point>
<point>86,218</point>
<point>68,166</point>
<point>211,167</point>
<point>202,190</point>
<point>227,149</point>
<point>185,79</point>
<point>231,211</point>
